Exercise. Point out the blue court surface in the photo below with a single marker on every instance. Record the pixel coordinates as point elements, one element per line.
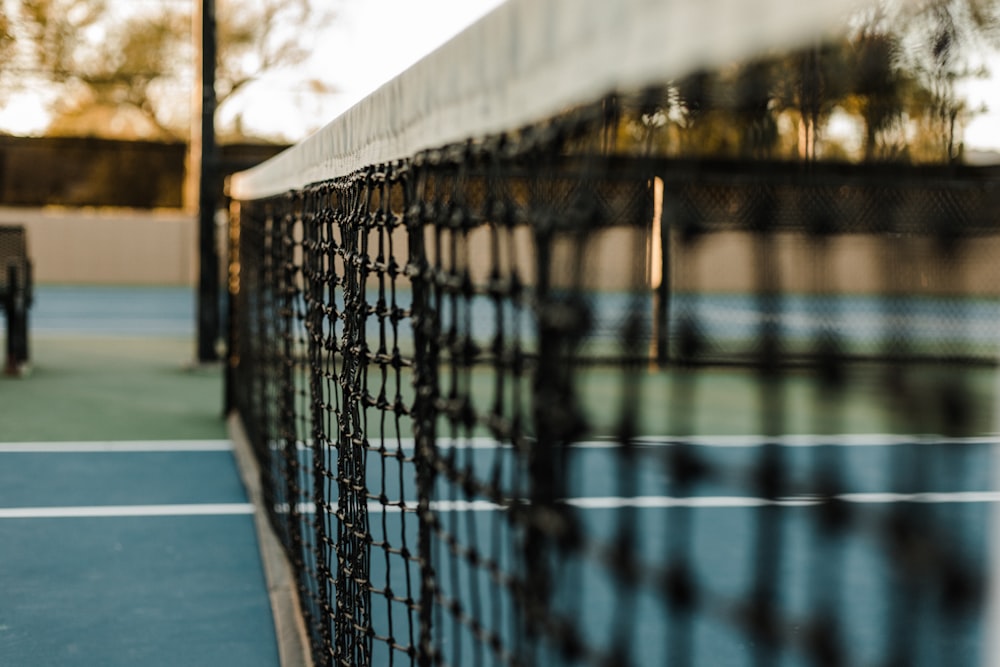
<point>145,553</point>
<point>948,486</point>
<point>113,310</point>
<point>129,553</point>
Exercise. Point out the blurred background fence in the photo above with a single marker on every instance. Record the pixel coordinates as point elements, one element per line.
<point>88,171</point>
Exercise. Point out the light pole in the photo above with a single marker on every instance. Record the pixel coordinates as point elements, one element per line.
<point>208,186</point>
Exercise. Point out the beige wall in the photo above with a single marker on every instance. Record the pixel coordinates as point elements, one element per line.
<point>109,246</point>
<point>851,263</point>
<point>160,248</point>
<point>621,258</point>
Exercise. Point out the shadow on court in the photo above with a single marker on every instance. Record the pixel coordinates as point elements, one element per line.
<point>125,532</point>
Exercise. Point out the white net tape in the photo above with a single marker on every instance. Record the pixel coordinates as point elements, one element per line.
<point>530,59</point>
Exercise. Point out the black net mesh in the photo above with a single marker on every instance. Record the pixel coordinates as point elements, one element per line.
<point>560,398</point>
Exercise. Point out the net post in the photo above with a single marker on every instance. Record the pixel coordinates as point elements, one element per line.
<point>665,206</point>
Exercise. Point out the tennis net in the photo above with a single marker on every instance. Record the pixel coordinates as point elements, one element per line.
<point>592,340</point>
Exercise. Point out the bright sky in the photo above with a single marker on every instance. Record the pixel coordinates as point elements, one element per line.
<point>983,132</point>
<point>23,114</point>
<point>369,42</point>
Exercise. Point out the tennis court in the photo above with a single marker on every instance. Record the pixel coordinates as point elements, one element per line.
<point>127,534</point>
<point>129,553</point>
<point>634,333</point>
<point>697,501</point>
<point>850,572</point>
<point>585,342</point>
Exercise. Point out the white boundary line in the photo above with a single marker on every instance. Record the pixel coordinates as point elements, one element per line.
<point>116,446</point>
<point>697,502</point>
<point>815,440</point>
<point>119,511</point>
<point>721,441</point>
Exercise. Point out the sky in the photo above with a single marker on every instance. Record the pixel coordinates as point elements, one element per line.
<point>369,42</point>
<point>983,132</point>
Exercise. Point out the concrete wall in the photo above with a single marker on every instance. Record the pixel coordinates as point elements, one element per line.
<point>109,246</point>
<point>846,263</point>
<point>160,248</point>
<point>730,262</point>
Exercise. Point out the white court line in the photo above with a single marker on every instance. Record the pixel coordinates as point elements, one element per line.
<point>814,440</point>
<point>375,508</point>
<point>116,446</point>
<point>102,511</point>
<point>803,501</point>
<point>722,441</point>
<point>705,502</point>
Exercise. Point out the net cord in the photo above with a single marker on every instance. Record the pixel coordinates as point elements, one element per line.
<point>530,59</point>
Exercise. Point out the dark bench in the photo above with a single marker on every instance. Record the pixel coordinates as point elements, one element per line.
<point>15,294</point>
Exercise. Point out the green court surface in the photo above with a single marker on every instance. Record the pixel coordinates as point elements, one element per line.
<point>728,401</point>
<point>717,401</point>
<point>108,388</point>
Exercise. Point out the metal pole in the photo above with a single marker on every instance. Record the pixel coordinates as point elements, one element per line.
<point>208,277</point>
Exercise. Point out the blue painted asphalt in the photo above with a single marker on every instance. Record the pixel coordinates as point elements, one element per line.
<point>113,310</point>
<point>179,584</point>
<point>474,547</point>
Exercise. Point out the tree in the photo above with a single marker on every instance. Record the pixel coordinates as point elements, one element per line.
<point>944,37</point>
<point>895,72</point>
<point>126,82</point>
<point>879,86</point>
<point>6,39</point>
<point>117,64</point>
<point>7,44</point>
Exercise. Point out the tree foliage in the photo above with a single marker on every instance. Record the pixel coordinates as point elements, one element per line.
<point>108,59</point>
<point>6,40</point>
<point>895,75</point>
